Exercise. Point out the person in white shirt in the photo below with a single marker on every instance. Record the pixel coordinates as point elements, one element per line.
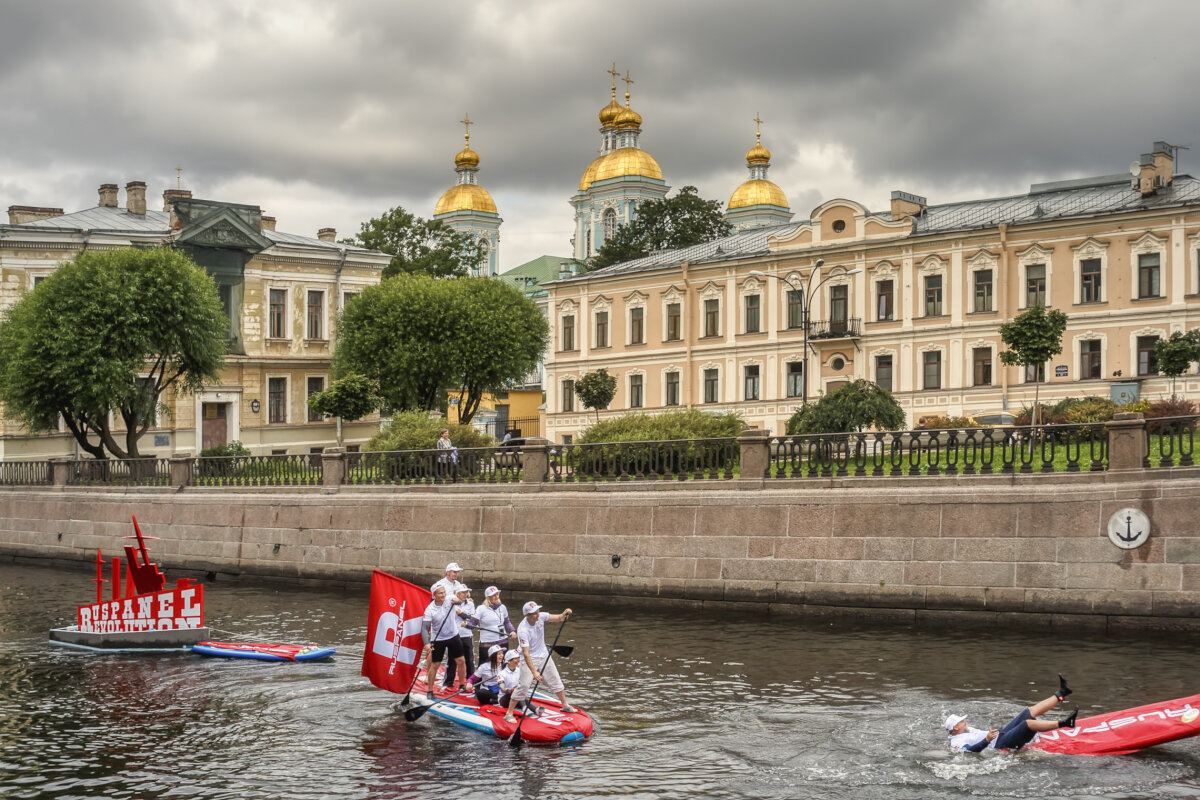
<point>451,582</point>
<point>510,678</point>
<point>441,630</point>
<point>464,609</point>
<point>1019,731</point>
<point>492,621</point>
<point>486,679</point>
<point>536,664</point>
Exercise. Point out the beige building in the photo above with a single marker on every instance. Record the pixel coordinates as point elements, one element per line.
<point>911,298</point>
<point>282,291</point>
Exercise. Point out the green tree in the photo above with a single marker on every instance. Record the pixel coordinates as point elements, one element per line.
<point>673,222</point>
<point>1176,354</point>
<point>418,245</point>
<point>857,405</point>
<point>595,390</point>
<point>1033,338</point>
<point>108,333</point>
<point>348,398</point>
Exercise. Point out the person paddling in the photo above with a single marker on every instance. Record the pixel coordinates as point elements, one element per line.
<point>486,678</point>
<point>1019,731</point>
<point>441,628</point>
<point>495,627</point>
<point>464,609</point>
<point>536,663</point>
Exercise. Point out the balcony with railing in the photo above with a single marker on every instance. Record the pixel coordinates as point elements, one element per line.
<point>844,328</point>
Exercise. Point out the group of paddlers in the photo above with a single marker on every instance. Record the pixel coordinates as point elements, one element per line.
<point>505,675</point>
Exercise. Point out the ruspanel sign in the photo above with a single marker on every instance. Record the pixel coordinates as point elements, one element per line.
<point>171,609</point>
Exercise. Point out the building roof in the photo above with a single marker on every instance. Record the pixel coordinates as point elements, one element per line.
<point>540,270</point>
<point>1087,197</point>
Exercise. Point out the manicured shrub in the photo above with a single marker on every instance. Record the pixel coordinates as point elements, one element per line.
<point>1090,409</point>
<point>234,448</point>
<point>1174,406</point>
<point>689,424</point>
<point>416,430</point>
<point>684,452</point>
<point>945,423</point>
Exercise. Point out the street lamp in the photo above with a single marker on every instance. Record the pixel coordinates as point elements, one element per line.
<point>837,271</point>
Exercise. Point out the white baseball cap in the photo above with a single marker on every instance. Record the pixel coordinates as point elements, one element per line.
<point>530,607</point>
<point>494,649</point>
<point>953,720</point>
<point>510,655</point>
<point>462,589</point>
<point>453,567</point>
<point>491,591</point>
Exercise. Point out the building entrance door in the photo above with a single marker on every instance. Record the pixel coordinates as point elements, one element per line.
<point>214,425</point>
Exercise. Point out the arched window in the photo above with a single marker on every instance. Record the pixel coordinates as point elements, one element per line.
<point>485,264</point>
<point>587,251</point>
<point>610,223</point>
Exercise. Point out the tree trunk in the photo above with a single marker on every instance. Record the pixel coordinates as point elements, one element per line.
<point>339,433</point>
<point>80,434</point>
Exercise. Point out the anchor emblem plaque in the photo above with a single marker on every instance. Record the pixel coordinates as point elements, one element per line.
<point>1129,528</point>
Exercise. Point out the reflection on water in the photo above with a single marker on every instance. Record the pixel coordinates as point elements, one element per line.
<point>687,705</point>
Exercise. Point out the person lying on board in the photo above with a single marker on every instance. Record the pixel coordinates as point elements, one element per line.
<point>440,630</point>
<point>486,678</point>
<point>1019,731</point>
<point>536,663</point>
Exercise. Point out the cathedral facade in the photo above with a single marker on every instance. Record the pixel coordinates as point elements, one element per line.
<point>468,208</point>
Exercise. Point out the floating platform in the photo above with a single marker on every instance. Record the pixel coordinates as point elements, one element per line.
<point>171,641</point>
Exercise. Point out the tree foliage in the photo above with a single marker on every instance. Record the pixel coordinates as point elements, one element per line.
<point>673,222</point>
<point>419,430</point>
<point>418,245</point>
<point>108,333</point>
<point>1033,338</point>
<point>1176,354</point>
<point>857,405</point>
<point>418,337</point>
<point>671,426</point>
<point>595,390</point>
<point>348,398</point>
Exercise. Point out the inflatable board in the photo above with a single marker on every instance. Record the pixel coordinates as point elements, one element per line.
<point>1125,731</point>
<point>263,652</point>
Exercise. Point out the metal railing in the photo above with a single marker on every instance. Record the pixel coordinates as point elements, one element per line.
<point>521,427</point>
<point>835,328</point>
<point>25,473</point>
<point>460,465</point>
<point>684,459</point>
<point>959,451</point>
<point>120,472</point>
<point>282,470</point>
<point>1170,441</point>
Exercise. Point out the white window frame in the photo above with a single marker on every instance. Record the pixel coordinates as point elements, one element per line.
<point>1147,244</point>
<point>566,309</point>
<point>662,393</point>
<point>700,376</point>
<point>1161,333</point>
<point>969,359</point>
<point>885,271</point>
<point>287,315</point>
<point>983,260</point>
<point>629,376</point>
<point>873,365</point>
<point>762,380</point>
<point>1077,351</point>
<point>1032,256</point>
<point>930,267</point>
<point>942,369</point>
<point>670,296</point>
<point>324,315</point>
<point>287,397</point>
<point>711,292</point>
<point>324,376</point>
<point>632,301</point>
<point>1087,250</point>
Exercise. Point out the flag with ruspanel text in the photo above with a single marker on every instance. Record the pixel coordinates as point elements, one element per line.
<point>392,654</point>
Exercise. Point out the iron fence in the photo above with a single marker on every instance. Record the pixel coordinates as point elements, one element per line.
<point>461,465</point>
<point>1170,441</point>
<point>25,473</point>
<point>281,470</point>
<point>694,459</point>
<point>519,427</point>
<point>959,451</point>
<point>119,472</point>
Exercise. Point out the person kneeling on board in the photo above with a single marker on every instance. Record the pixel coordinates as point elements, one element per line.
<point>441,628</point>
<point>1019,731</point>
<point>486,679</point>
<point>536,665</point>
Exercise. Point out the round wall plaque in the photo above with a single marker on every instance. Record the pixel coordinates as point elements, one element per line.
<point>1129,528</point>
<point>255,406</point>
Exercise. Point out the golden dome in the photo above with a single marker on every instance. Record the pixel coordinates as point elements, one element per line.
<point>757,193</point>
<point>628,118</point>
<point>465,197</point>
<point>620,163</point>
<point>466,158</point>
<point>758,154</point>
<point>608,114</point>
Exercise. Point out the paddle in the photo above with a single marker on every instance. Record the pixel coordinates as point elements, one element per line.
<point>515,739</point>
<point>415,713</point>
<point>563,650</point>
<point>417,674</point>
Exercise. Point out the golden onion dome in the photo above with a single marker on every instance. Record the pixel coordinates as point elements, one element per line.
<point>628,118</point>
<point>628,161</point>
<point>465,197</point>
<point>758,154</point>
<point>608,114</point>
<point>466,158</point>
<point>757,193</point>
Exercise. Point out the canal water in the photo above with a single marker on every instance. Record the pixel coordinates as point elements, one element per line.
<point>689,705</point>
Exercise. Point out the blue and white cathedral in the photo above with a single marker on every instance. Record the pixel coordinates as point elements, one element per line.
<point>467,207</point>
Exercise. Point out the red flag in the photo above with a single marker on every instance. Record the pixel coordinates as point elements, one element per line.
<point>394,644</point>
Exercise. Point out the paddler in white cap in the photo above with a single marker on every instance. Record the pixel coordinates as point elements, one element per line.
<point>453,587</point>
<point>536,663</point>
<point>1019,731</point>
<point>492,620</point>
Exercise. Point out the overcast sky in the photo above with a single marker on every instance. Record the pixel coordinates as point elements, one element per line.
<point>327,113</point>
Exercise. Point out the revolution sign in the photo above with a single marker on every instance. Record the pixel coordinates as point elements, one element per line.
<point>172,609</point>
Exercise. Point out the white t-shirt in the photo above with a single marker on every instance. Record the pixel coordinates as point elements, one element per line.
<point>488,676</point>
<point>441,628</point>
<point>510,679</point>
<point>492,619</point>
<point>465,609</point>
<point>534,636</point>
<point>452,587</point>
<point>970,737</point>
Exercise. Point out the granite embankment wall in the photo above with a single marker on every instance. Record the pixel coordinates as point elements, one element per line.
<point>1024,549</point>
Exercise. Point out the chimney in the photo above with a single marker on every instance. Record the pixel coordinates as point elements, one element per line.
<point>174,194</point>
<point>108,195</point>
<point>907,205</point>
<point>327,234</point>
<point>1156,169</point>
<point>268,223</point>
<point>21,214</point>
<point>135,198</point>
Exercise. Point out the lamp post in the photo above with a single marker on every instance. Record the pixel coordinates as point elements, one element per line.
<point>837,271</point>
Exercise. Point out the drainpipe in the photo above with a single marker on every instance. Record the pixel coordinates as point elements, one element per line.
<point>337,287</point>
<point>1002,293</point>
<point>688,313</point>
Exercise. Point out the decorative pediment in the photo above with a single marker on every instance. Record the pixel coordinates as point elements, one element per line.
<point>205,223</point>
<point>566,307</point>
<point>751,286</point>
<point>884,351</point>
<point>1150,332</point>
<point>635,300</point>
<point>1090,334</point>
<point>601,303</point>
<point>1034,254</point>
<point>884,269</point>
<point>984,259</point>
<point>672,295</point>
<point>710,365</point>
<point>1090,248</point>
<point>711,290</point>
<point>930,348</point>
<point>979,344</point>
<point>1148,243</point>
<point>932,265</point>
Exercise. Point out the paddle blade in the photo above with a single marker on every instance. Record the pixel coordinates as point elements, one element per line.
<point>515,739</point>
<point>564,650</point>
<point>415,713</point>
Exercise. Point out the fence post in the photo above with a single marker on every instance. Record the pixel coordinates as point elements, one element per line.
<point>180,468</point>
<point>535,460</point>
<point>60,470</point>
<point>1126,442</point>
<point>333,467</point>
<point>755,446</point>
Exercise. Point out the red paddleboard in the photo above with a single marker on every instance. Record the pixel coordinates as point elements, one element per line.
<point>1125,731</point>
<point>261,651</point>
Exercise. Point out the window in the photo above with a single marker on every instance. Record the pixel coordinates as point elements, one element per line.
<point>1089,360</point>
<point>982,360</point>
<point>933,295</point>
<point>37,279</point>
<point>1148,285</point>
<point>795,378</point>
<point>1035,285</point>
<point>983,290</point>
<point>795,303</point>
<point>278,314</point>
<point>276,399</point>
<point>635,391</point>
<point>637,332</point>
<point>883,372</point>
<point>568,438</point>
<point>885,301</point>
<point>932,362</point>
<point>752,316</point>
<point>316,308</point>
<point>601,329</point>
<point>1035,373</point>
<point>1147,358</point>
<point>568,332</point>
<point>568,395</point>
<point>751,382</point>
<point>712,317</point>
<point>710,386</point>
<point>1089,280</point>
<point>225,292</point>
<point>315,386</point>
<point>838,307</point>
<point>346,298</point>
<point>672,386</point>
<point>673,322</point>
<point>610,223</point>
